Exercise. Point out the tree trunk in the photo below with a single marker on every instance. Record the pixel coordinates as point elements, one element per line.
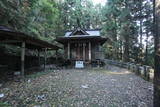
<point>146,54</point>
<point>116,41</point>
<point>157,53</point>
<point>141,32</point>
<point>121,50</point>
<point>126,37</point>
<point>126,49</point>
<point>141,21</point>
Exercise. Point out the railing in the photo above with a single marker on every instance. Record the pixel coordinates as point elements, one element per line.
<point>144,71</point>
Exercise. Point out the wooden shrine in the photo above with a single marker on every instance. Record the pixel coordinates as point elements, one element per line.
<point>83,45</point>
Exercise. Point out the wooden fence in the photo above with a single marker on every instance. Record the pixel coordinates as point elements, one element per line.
<point>144,71</point>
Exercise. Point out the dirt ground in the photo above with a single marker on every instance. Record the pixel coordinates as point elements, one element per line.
<point>115,87</point>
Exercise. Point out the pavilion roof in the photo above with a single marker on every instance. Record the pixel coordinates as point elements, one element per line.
<point>9,36</point>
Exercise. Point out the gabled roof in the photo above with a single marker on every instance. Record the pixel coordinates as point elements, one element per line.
<point>93,32</point>
<point>79,30</point>
<point>83,35</point>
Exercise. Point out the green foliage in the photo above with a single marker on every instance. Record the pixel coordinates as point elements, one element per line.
<point>37,17</point>
<point>120,24</point>
<point>88,15</point>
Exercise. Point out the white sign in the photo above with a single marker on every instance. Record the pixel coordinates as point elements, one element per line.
<point>79,64</point>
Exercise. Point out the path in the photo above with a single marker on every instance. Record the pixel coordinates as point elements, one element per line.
<point>81,88</point>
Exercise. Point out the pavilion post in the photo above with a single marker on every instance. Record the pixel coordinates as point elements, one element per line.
<point>89,51</point>
<point>45,59</point>
<point>56,55</point>
<point>84,51</point>
<point>38,58</point>
<point>22,58</point>
<point>68,50</point>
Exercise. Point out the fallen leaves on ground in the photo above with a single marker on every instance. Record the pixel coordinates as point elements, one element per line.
<point>79,88</point>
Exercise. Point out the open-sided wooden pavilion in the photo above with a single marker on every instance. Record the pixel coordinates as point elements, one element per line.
<point>11,37</point>
<point>83,45</point>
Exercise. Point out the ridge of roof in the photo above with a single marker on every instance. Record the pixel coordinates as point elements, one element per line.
<point>77,30</point>
<point>85,30</point>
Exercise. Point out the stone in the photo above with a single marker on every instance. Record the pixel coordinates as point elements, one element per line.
<point>37,106</point>
<point>84,86</point>
<point>1,95</point>
<point>29,81</point>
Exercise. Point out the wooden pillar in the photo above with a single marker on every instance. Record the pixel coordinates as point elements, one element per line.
<point>56,55</point>
<point>84,52</point>
<point>22,58</point>
<point>79,51</point>
<point>39,58</point>
<point>89,51</point>
<point>68,50</point>
<point>45,59</point>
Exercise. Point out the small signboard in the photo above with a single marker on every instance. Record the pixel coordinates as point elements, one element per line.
<point>79,64</point>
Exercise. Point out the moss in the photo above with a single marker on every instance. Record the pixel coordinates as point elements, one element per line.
<point>38,74</point>
<point>4,104</point>
<point>99,70</point>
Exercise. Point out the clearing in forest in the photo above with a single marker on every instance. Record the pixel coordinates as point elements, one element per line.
<point>79,88</point>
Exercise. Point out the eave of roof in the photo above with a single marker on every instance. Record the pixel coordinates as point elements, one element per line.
<point>78,38</point>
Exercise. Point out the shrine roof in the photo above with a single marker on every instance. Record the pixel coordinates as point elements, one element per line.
<point>92,32</point>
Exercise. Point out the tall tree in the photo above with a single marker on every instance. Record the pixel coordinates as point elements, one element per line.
<point>119,27</point>
<point>148,31</point>
<point>111,13</point>
<point>89,15</point>
<point>157,53</point>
